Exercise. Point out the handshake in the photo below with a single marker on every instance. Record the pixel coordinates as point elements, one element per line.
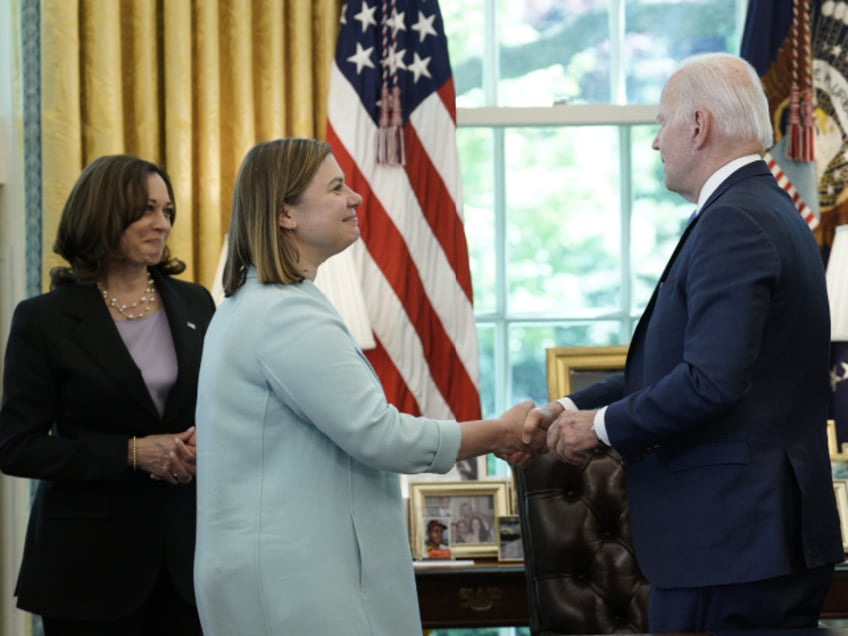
<point>534,430</point>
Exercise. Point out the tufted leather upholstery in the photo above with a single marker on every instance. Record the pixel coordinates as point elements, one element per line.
<point>582,576</point>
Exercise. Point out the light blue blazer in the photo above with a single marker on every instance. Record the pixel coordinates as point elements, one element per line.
<point>301,527</point>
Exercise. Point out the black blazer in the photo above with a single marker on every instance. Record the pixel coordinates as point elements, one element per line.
<point>99,533</point>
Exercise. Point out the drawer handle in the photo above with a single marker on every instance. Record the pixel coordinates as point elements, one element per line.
<point>479,600</point>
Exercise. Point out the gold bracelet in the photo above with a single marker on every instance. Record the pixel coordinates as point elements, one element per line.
<point>135,466</point>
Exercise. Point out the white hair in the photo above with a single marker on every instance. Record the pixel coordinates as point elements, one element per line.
<point>730,89</point>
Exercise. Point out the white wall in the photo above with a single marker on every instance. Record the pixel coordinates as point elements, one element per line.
<point>14,493</point>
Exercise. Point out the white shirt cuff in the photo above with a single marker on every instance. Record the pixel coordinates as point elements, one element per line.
<point>600,425</point>
<point>568,404</point>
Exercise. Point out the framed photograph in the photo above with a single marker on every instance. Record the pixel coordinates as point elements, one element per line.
<point>836,454</point>
<point>437,540</point>
<point>468,510</point>
<point>573,368</point>
<point>470,469</point>
<point>840,489</point>
<point>510,547</point>
<point>832,446</point>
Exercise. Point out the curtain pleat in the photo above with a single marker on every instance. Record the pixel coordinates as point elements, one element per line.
<point>325,27</point>
<point>61,124</point>
<point>212,49</point>
<point>142,51</point>
<point>188,84</point>
<point>102,86</point>
<point>271,73</point>
<point>299,38</point>
<point>179,103</point>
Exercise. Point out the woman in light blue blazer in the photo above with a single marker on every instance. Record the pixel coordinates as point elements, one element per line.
<point>301,528</point>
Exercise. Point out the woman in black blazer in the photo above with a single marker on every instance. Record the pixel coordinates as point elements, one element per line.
<point>98,404</point>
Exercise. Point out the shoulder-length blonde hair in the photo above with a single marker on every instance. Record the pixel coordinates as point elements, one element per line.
<point>109,195</point>
<point>272,174</point>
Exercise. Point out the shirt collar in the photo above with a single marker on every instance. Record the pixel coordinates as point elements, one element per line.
<point>720,175</point>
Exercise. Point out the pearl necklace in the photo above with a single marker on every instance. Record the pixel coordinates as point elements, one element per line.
<point>129,311</point>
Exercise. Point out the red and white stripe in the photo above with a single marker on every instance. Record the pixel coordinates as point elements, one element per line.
<point>784,182</point>
<point>413,258</point>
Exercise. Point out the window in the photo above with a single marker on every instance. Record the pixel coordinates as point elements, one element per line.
<point>568,221</point>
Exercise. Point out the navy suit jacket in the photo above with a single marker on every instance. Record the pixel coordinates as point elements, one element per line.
<point>720,414</point>
<point>98,532</point>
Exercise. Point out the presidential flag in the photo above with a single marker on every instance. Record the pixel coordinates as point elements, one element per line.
<point>829,40</point>
<point>830,80</point>
<point>392,128</point>
<point>776,41</point>
<point>798,47</point>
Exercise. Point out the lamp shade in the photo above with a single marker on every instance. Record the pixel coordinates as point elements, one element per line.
<point>337,279</point>
<point>837,293</point>
<point>837,285</point>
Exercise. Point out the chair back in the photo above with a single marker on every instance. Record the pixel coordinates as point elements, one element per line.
<point>582,575</point>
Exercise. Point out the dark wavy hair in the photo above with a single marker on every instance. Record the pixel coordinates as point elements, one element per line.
<point>109,195</point>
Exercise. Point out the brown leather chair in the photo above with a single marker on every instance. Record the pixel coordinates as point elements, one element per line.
<point>582,576</point>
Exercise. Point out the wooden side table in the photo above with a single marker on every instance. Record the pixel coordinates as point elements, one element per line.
<point>836,603</point>
<point>485,594</point>
<point>490,594</point>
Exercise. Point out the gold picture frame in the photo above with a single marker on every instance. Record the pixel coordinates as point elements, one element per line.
<point>840,490</point>
<point>572,368</point>
<point>468,509</point>
<point>836,454</point>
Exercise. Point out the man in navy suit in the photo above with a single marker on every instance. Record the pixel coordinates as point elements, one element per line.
<point>720,413</point>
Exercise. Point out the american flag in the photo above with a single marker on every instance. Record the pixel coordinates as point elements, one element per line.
<point>392,128</point>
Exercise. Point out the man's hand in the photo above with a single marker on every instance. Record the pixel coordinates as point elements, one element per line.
<point>533,435</point>
<point>536,425</point>
<point>571,435</point>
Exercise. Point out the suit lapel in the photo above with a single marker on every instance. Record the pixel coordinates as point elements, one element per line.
<point>97,335</point>
<point>187,343</point>
<point>646,315</point>
<point>756,168</point>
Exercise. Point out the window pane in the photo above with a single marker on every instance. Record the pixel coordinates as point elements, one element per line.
<point>563,221</point>
<point>465,32</point>
<point>527,344</point>
<point>554,50</point>
<point>660,33</point>
<point>657,219</point>
<point>488,380</point>
<point>545,51</point>
<point>476,153</point>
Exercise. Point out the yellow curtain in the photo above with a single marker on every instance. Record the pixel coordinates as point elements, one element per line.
<point>190,85</point>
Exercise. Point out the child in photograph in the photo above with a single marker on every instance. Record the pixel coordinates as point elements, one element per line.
<point>436,544</point>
